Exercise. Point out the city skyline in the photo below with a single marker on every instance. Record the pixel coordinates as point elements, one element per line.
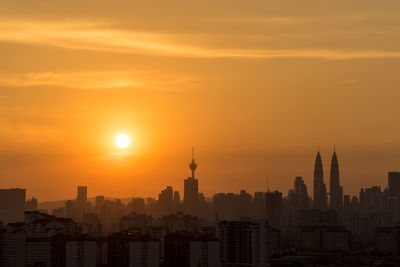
<point>321,195</point>
<point>309,180</point>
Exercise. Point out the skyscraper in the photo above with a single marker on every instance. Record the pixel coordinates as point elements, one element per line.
<point>394,183</point>
<point>320,196</point>
<point>273,208</point>
<point>191,190</point>
<point>82,195</point>
<point>165,201</point>
<point>336,191</point>
<point>12,205</point>
<point>300,193</point>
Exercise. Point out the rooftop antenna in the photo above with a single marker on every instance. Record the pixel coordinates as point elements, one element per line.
<point>193,164</point>
<point>267,185</point>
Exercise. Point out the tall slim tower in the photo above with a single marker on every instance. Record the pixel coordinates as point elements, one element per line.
<point>336,191</point>
<point>191,190</point>
<point>320,196</point>
<point>82,195</point>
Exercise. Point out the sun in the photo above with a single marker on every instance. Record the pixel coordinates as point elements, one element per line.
<point>122,141</point>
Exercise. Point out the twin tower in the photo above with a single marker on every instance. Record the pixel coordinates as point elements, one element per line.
<point>336,191</point>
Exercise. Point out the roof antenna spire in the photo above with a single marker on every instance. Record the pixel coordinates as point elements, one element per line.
<point>193,165</point>
<point>267,185</point>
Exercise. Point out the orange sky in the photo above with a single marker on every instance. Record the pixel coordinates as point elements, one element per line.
<point>256,87</point>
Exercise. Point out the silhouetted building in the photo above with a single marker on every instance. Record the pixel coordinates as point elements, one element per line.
<point>371,198</point>
<point>138,205</point>
<point>144,251</point>
<point>183,249</point>
<point>273,208</point>
<point>118,249</point>
<point>394,183</point>
<point>133,220</point>
<point>36,240</point>
<point>317,217</point>
<point>232,206</point>
<point>320,195</point>
<point>80,252</point>
<point>165,201</point>
<point>31,204</point>
<point>246,242</point>
<point>323,238</point>
<point>297,199</point>
<point>191,191</point>
<point>38,251</point>
<point>99,204</point>
<point>354,203</point>
<point>336,191</point>
<point>12,205</point>
<point>346,203</point>
<point>177,202</point>
<point>81,198</point>
<point>180,222</point>
<point>259,205</point>
<point>385,241</point>
<point>127,249</point>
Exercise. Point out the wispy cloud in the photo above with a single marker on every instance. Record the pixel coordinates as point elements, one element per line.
<point>79,80</point>
<point>94,80</point>
<point>23,132</point>
<point>99,37</point>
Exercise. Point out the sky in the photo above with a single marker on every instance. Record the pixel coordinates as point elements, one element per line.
<point>256,86</point>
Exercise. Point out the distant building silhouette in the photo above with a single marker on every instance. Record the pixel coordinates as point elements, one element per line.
<point>317,217</point>
<point>336,191</point>
<point>31,204</point>
<point>138,205</point>
<point>298,199</point>
<point>259,205</point>
<point>323,238</point>
<point>12,204</point>
<point>394,183</point>
<point>165,201</point>
<point>127,249</point>
<point>233,206</point>
<point>81,198</point>
<point>273,208</point>
<point>177,202</point>
<point>320,195</point>
<point>183,249</point>
<point>300,190</point>
<point>191,191</point>
<point>247,242</point>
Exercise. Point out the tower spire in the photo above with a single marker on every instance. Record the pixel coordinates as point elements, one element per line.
<point>193,165</point>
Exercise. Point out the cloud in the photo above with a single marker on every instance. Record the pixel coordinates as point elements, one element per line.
<point>24,132</point>
<point>99,37</point>
<point>92,80</point>
<point>81,80</point>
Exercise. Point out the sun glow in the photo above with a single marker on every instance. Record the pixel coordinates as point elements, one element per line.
<point>122,141</point>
